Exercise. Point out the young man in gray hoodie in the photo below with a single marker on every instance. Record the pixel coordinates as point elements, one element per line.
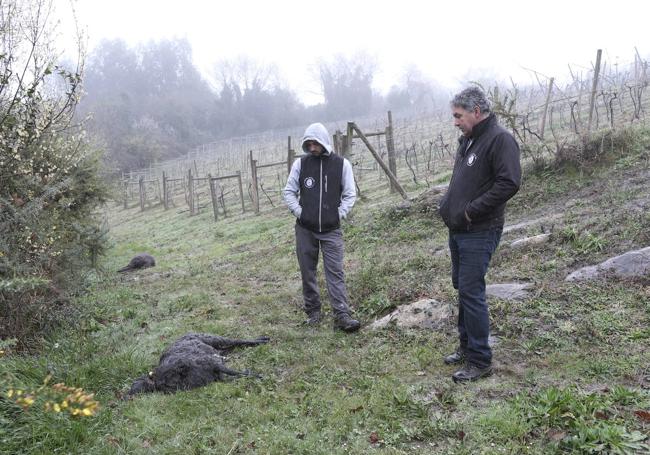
<point>320,192</point>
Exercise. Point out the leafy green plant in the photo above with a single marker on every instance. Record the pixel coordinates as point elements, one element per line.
<point>376,304</point>
<point>584,242</point>
<point>589,422</point>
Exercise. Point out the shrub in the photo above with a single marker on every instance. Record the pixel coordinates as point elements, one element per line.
<point>50,181</point>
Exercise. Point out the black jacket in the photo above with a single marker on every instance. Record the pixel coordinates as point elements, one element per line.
<point>485,176</point>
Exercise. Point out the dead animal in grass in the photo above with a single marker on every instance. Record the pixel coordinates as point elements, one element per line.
<point>194,360</point>
<point>139,261</point>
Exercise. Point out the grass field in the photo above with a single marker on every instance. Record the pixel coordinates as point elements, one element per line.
<point>572,363</point>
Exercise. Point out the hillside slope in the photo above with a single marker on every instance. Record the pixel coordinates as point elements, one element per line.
<point>571,360</point>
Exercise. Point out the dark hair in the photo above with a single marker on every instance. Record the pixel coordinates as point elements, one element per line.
<point>470,98</point>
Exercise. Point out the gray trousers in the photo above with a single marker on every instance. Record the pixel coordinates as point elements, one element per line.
<point>308,244</point>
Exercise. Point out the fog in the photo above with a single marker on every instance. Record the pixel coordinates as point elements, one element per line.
<point>449,42</point>
<point>163,77</point>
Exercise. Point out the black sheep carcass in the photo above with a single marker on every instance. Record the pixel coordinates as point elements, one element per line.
<point>139,261</point>
<point>194,360</point>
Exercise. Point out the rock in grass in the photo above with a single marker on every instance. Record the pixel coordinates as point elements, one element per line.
<point>425,313</point>
<point>633,264</point>
<point>509,291</point>
<point>528,241</point>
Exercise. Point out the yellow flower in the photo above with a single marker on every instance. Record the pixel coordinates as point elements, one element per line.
<point>87,412</point>
<point>57,408</point>
<point>10,393</point>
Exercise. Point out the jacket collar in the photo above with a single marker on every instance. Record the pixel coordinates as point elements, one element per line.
<point>483,125</point>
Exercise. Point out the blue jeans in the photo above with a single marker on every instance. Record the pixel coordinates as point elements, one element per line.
<point>470,256</point>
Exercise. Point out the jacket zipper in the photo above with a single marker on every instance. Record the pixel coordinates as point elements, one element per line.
<point>320,199</point>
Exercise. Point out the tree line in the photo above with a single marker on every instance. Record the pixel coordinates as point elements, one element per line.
<point>149,102</point>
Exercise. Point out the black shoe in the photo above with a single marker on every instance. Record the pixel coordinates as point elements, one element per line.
<point>471,372</point>
<point>346,323</point>
<point>455,358</point>
<point>313,319</point>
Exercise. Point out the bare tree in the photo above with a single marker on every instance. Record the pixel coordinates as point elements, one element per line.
<point>347,84</point>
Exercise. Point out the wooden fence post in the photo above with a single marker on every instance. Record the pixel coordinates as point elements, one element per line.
<point>165,190</point>
<point>347,144</point>
<point>542,120</point>
<point>213,196</point>
<point>256,197</point>
<point>388,172</point>
<point>190,191</point>
<point>290,155</point>
<point>390,147</point>
<point>142,193</point>
<point>594,88</point>
<point>241,192</point>
<point>337,142</point>
<point>126,194</point>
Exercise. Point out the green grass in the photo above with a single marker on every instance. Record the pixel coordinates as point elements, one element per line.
<point>571,363</point>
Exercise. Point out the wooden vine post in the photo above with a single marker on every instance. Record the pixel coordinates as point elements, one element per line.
<point>142,192</point>
<point>594,89</point>
<point>190,191</point>
<point>388,172</point>
<point>254,193</point>
<point>390,146</point>
<point>542,120</point>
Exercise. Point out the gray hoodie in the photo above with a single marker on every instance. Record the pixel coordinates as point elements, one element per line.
<point>291,193</point>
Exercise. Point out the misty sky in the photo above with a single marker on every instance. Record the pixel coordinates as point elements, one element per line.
<point>450,42</point>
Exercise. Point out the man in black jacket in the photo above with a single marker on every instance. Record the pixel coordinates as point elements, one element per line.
<point>486,174</point>
<point>320,192</point>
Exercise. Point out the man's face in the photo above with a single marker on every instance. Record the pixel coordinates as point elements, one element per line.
<point>314,148</point>
<point>466,120</point>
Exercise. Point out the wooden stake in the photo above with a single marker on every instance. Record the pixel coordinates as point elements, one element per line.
<point>213,196</point>
<point>594,88</point>
<point>165,189</point>
<point>390,147</point>
<point>542,120</point>
<point>388,172</point>
<point>190,190</point>
<point>256,196</point>
<point>142,194</point>
<point>241,192</point>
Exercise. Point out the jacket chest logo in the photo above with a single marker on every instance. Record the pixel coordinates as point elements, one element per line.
<point>471,159</point>
<point>309,182</point>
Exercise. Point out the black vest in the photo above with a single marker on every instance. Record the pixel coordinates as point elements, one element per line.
<point>320,192</point>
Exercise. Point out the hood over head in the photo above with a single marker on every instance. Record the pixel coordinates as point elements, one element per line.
<point>317,132</point>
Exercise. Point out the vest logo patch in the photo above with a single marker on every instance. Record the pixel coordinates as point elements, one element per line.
<point>471,159</point>
<point>309,182</point>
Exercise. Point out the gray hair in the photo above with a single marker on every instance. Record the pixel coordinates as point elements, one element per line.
<point>470,98</point>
